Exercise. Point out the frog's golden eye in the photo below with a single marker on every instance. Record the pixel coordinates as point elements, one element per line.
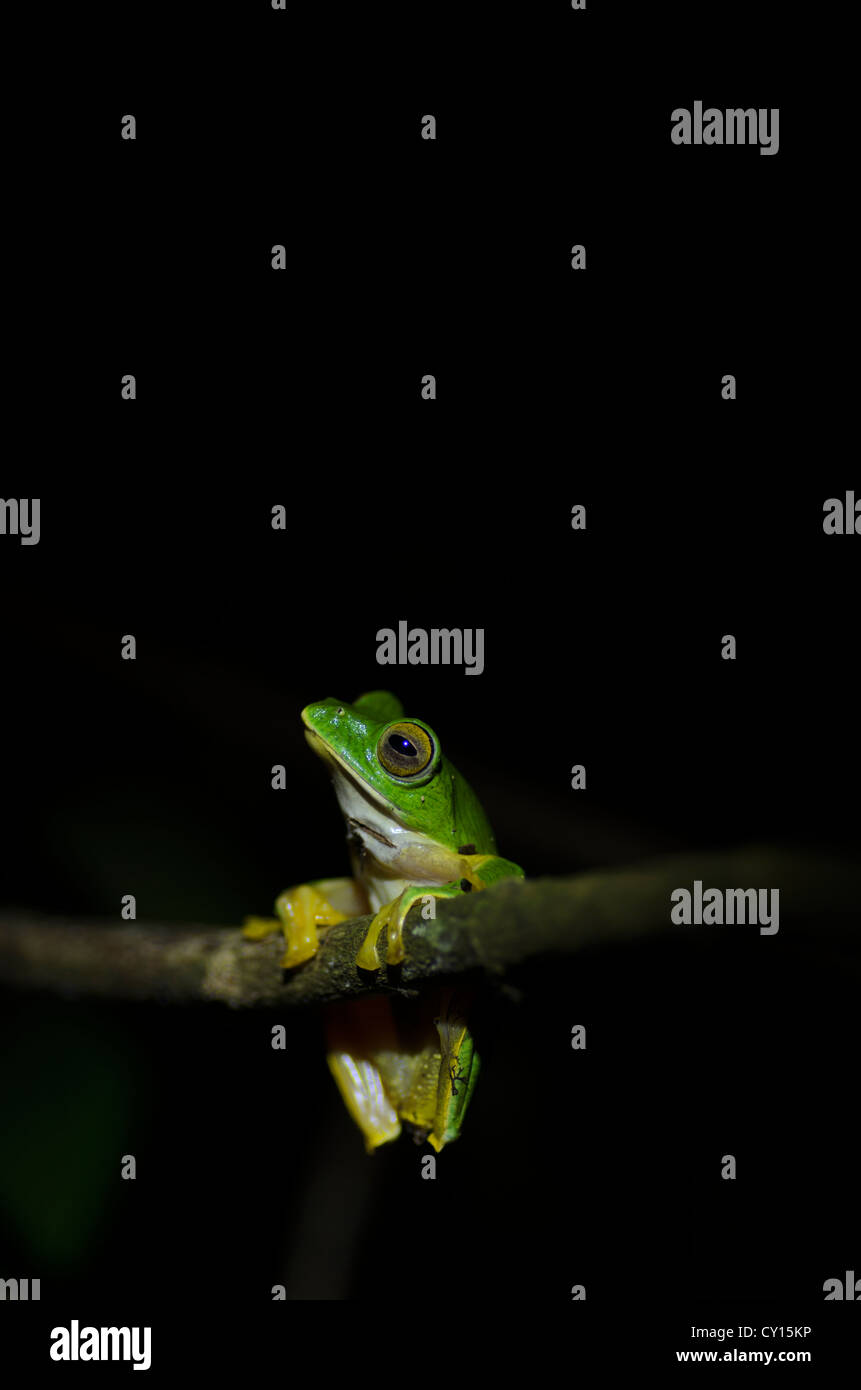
<point>404,749</point>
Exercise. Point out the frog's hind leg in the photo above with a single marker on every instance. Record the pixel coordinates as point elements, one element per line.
<point>364,1095</point>
<point>361,1036</point>
<point>458,1070</point>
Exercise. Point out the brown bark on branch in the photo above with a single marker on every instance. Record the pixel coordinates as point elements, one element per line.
<point>492,931</point>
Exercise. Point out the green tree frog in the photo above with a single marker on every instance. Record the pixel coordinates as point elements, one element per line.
<point>415,829</point>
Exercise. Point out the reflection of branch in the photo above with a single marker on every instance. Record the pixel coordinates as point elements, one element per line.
<point>489,931</point>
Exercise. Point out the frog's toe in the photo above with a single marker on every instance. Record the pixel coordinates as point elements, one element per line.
<point>296,954</point>
<point>368,957</point>
<point>304,910</point>
<point>256,928</point>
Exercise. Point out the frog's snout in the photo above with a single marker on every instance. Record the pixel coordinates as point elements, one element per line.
<point>326,712</point>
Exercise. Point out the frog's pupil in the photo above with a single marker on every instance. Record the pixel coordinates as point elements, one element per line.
<point>402,745</point>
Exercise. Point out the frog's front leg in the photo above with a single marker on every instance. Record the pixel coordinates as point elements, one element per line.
<point>305,912</point>
<point>477,871</point>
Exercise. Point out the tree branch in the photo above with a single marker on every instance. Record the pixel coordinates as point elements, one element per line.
<point>490,932</point>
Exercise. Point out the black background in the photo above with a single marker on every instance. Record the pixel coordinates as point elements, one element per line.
<point>603,647</point>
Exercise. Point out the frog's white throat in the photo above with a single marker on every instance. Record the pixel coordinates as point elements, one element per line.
<point>391,855</point>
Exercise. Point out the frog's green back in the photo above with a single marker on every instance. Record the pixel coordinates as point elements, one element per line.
<point>472,833</point>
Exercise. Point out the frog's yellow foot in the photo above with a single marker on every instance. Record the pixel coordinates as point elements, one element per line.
<point>364,1095</point>
<point>364,1058</point>
<point>301,911</point>
<point>478,871</point>
<point>304,913</point>
<point>391,918</point>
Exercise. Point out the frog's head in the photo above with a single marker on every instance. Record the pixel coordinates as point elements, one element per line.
<point>386,769</point>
